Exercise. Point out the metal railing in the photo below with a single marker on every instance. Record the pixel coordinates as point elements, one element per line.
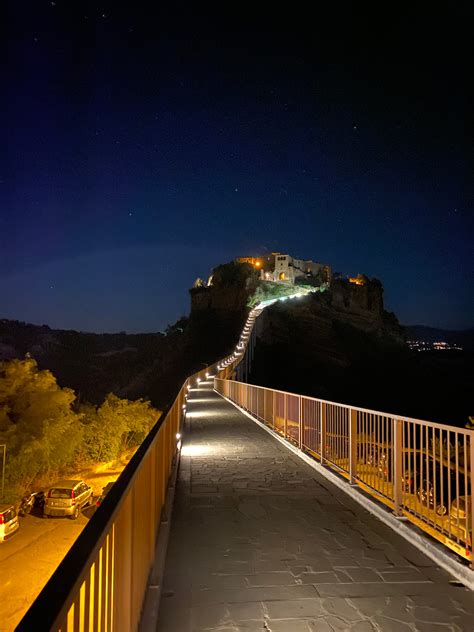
<point>422,470</point>
<point>101,583</point>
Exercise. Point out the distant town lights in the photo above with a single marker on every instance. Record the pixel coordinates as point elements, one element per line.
<point>439,345</point>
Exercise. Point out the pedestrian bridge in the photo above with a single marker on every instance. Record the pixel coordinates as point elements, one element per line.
<point>251,509</point>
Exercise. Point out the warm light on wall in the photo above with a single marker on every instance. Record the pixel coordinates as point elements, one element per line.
<point>356,280</point>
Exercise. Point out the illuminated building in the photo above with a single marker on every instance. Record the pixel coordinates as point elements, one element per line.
<point>287,269</point>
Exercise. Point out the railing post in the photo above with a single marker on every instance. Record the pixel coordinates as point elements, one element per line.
<point>124,531</point>
<point>285,420</point>
<point>300,422</point>
<point>322,431</point>
<point>470,527</point>
<point>352,446</point>
<point>273,409</point>
<point>397,432</point>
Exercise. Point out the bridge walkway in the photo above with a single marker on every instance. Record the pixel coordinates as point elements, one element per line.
<point>260,541</point>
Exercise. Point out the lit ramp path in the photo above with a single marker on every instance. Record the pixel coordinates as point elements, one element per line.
<point>261,541</point>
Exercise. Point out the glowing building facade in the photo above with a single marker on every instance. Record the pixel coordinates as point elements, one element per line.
<point>283,268</point>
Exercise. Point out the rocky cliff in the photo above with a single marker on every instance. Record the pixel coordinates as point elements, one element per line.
<point>323,324</point>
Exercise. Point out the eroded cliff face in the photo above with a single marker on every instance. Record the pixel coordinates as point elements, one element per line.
<point>218,312</point>
<point>362,306</point>
<point>232,286</point>
<point>327,326</point>
<point>364,300</point>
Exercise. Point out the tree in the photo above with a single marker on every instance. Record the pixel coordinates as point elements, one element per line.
<point>37,422</point>
<point>115,426</point>
<point>43,432</point>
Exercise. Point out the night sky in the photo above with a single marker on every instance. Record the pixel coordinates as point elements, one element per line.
<point>142,147</point>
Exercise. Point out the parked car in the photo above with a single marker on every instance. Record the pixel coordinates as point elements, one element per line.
<point>104,493</point>
<point>8,522</point>
<point>461,507</point>
<point>459,515</point>
<point>67,498</point>
<point>435,485</point>
<point>32,502</point>
<point>379,460</point>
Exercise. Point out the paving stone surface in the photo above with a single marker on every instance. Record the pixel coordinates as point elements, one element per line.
<point>261,542</point>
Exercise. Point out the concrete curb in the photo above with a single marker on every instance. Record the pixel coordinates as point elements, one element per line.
<point>431,549</point>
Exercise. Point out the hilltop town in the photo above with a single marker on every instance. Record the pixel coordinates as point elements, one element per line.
<point>288,270</point>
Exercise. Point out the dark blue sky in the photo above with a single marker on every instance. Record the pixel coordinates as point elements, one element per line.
<point>142,148</point>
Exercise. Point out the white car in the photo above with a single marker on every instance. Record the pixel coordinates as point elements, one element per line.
<point>8,522</point>
<point>67,498</point>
